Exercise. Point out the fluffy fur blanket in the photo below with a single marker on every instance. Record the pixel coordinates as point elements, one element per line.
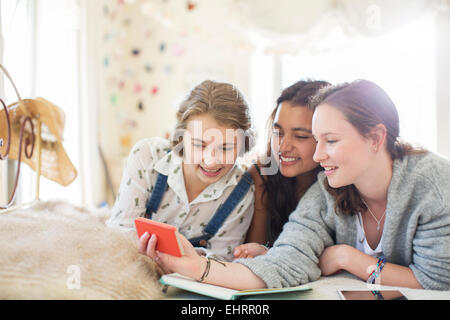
<point>54,250</point>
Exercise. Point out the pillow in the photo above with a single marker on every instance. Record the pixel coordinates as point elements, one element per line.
<point>55,250</point>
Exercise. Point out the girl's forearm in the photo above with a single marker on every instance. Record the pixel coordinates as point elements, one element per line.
<point>225,274</point>
<point>232,275</point>
<point>362,265</point>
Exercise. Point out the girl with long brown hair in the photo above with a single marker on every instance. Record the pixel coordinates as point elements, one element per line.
<point>287,169</point>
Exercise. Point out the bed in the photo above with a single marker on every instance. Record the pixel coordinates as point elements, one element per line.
<point>54,249</point>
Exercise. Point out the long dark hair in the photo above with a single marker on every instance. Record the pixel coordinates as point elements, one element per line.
<point>364,105</point>
<point>280,193</point>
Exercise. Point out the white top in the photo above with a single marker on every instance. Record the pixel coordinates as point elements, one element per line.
<point>150,157</point>
<point>361,242</point>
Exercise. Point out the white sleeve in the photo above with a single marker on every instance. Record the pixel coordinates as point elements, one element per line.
<point>135,186</point>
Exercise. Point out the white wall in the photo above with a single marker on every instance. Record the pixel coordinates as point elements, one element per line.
<point>178,48</point>
<point>443,83</point>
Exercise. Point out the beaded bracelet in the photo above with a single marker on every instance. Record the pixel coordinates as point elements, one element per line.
<point>376,272</point>
<point>377,294</point>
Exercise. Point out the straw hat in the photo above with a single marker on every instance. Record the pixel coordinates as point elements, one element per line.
<point>55,163</point>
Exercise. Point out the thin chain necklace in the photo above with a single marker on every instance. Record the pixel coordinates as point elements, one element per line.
<point>370,211</point>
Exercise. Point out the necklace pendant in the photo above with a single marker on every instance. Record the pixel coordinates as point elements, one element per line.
<point>378,227</point>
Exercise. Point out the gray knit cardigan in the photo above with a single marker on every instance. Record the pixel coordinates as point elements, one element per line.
<point>416,230</point>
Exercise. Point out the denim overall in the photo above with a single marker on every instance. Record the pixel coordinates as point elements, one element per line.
<point>219,217</point>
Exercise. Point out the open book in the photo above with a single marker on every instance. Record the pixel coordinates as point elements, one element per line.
<point>185,283</point>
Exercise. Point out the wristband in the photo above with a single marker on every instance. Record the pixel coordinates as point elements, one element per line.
<point>205,273</point>
<point>265,246</point>
<point>377,294</point>
<point>208,266</point>
<point>375,273</point>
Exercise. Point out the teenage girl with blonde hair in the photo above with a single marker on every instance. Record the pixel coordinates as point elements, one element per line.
<point>194,182</point>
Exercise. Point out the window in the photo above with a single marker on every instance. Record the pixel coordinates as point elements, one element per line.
<point>41,52</point>
<point>401,62</point>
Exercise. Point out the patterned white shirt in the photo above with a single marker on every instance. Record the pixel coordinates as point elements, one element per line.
<point>147,159</point>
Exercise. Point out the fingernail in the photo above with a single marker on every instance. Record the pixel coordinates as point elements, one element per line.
<point>153,237</point>
<point>144,235</point>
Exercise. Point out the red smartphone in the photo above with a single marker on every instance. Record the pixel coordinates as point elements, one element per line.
<point>168,236</point>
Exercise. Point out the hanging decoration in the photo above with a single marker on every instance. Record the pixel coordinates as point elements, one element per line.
<point>125,141</point>
<point>114,99</point>
<point>190,5</point>
<point>154,90</point>
<point>148,68</point>
<point>137,88</point>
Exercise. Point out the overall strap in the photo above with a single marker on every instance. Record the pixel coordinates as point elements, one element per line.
<point>224,211</point>
<point>155,199</point>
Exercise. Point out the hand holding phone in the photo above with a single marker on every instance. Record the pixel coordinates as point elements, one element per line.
<point>168,236</point>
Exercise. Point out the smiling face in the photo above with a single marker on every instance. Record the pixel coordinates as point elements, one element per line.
<point>292,142</point>
<point>344,153</point>
<point>210,149</point>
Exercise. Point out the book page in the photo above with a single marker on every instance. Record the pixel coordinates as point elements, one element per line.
<point>189,284</point>
<point>218,292</point>
<point>272,290</point>
<point>180,246</point>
